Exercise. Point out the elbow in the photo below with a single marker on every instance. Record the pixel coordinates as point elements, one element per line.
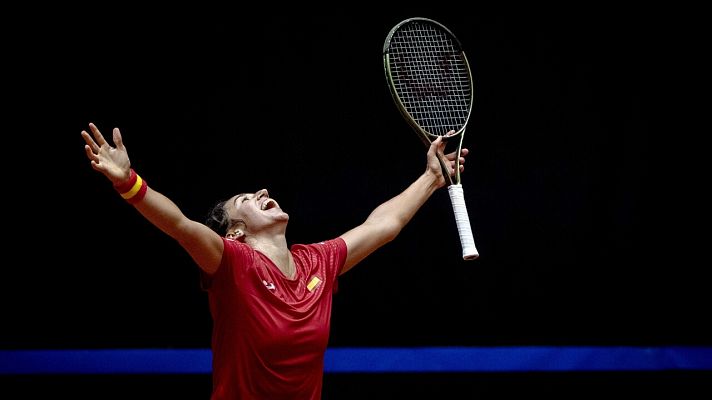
<point>382,230</point>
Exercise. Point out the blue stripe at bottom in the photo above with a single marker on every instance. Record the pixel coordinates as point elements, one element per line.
<point>370,360</point>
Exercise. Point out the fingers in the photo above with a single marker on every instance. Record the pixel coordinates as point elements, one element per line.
<point>437,146</point>
<point>95,163</point>
<point>90,153</point>
<point>90,143</point>
<point>118,140</point>
<point>96,166</point>
<point>463,153</point>
<point>97,135</point>
<point>460,164</point>
<point>440,145</point>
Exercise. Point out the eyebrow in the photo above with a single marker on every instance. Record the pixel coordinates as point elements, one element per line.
<point>234,203</point>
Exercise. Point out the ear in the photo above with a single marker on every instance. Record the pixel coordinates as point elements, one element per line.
<point>238,235</point>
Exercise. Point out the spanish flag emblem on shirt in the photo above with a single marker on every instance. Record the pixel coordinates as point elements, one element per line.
<point>313,283</point>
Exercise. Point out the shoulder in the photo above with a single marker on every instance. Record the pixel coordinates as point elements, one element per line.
<point>235,246</point>
<point>331,245</point>
<point>236,252</point>
<point>332,251</point>
<point>237,257</point>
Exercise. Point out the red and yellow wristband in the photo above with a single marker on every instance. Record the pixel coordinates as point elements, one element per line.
<point>134,189</point>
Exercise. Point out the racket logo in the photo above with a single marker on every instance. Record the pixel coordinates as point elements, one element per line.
<point>419,84</point>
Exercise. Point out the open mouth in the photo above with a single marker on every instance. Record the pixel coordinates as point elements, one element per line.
<point>268,205</point>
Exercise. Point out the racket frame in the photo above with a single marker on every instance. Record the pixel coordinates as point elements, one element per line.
<point>470,252</point>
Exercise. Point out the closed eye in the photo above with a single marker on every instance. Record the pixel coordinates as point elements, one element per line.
<point>241,199</point>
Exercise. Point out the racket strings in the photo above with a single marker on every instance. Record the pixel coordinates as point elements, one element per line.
<point>431,77</point>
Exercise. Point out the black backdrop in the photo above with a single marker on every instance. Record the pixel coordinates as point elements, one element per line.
<point>572,184</point>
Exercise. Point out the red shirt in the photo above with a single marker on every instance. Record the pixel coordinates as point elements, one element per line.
<point>269,332</point>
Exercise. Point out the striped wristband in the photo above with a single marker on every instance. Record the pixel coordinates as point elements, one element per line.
<point>134,189</point>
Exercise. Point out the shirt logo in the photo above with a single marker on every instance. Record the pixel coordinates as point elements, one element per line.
<point>313,283</point>
<point>269,285</point>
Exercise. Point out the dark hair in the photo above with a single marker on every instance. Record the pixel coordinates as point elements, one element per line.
<point>219,221</point>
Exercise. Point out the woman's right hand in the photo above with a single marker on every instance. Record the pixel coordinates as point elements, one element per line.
<point>113,162</point>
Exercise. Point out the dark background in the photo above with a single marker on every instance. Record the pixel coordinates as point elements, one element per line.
<point>583,185</point>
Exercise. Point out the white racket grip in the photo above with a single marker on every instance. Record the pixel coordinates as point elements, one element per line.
<point>457,197</point>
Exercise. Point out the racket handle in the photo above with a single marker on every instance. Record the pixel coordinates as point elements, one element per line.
<point>457,197</point>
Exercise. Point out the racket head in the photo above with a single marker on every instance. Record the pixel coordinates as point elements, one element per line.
<point>429,78</point>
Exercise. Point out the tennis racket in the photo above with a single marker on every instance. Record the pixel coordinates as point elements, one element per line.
<point>430,80</point>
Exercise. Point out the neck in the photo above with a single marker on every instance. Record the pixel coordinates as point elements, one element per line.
<point>274,247</point>
<point>264,241</point>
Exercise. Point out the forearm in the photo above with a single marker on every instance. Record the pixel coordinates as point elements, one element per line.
<point>395,213</point>
<point>163,213</point>
<point>204,245</point>
<point>387,220</point>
